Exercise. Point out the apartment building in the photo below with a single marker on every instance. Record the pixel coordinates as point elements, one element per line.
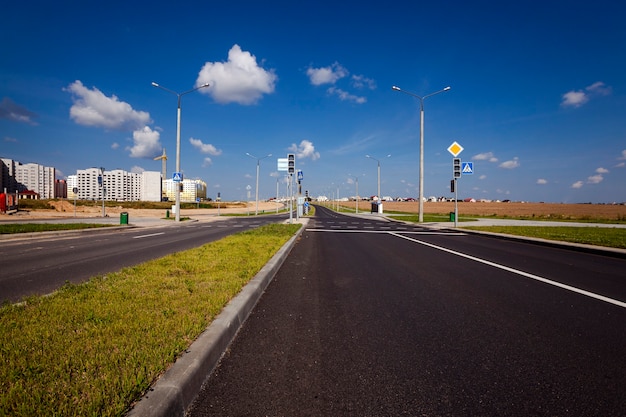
<point>192,190</point>
<point>116,185</point>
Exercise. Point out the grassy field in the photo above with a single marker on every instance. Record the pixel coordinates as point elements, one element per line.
<point>10,228</point>
<point>599,236</point>
<point>93,349</point>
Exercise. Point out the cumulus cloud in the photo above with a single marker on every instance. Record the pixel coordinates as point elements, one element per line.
<point>577,98</point>
<point>345,96</point>
<point>238,80</point>
<point>332,74</point>
<point>512,164</point>
<point>306,149</point>
<point>93,108</point>
<point>137,169</point>
<point>595,179</point>
<point>602,170</point>
<point>623,156</point>
<point>542,181</point>
<point>146,143</point>
<point>11,111</point>
<point>326,75</point>
<point>207,162</point>
<point>487,156</point>
<point>205,148</point>
<point>577,184</point>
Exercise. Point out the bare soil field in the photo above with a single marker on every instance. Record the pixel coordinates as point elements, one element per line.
<point>511,210</point>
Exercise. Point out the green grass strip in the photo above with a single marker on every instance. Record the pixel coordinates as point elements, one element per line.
<point>10,228</point>
<point>599,236</point>
<point>94,348</point>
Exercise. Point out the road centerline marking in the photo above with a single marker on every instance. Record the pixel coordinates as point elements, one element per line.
<point>518,272</point>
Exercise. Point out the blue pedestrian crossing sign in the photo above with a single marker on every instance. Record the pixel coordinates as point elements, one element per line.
<point>467,168</point>
<point>177,177</point>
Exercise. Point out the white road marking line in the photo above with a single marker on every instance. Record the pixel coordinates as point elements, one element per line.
<point>153,234</point>
<point>517,271</point>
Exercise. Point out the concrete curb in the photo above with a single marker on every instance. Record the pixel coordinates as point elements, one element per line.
<point>176,390</point>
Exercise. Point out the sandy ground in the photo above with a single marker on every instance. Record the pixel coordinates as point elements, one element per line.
<point>66,209</point>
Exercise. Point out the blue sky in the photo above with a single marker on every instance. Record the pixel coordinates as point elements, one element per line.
<point>537,98</point>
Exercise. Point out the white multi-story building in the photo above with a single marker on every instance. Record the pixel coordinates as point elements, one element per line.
<point>37,178</point>
<point>192,190</point>
<point>118,185</point>
<point>72,182</point>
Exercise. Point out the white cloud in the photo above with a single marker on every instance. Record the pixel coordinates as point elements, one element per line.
<point>512,164</point>
<point>137,169</point>
<point>306,149</point>
<point>11,111</point>
<point>206,148</point>
<point>599,88</point>
<point>595,179</point>
<point>115,145</point>
<point>577,98</point>
<point>482,177</point>
<point>145,143</point>
<point>621,165</point>
<point>542,181</point>
<point>326,75</point>
<point>360,81</point>
<point>10,139</point>
<point>345,96</point>
<point>574,99</point>
<point>623,156</point>
<point>93,108</point>
<point>487,156</point>
<point>207,162</point>
<point>577,184</point>
<point>602,170</point>
<point>238,80</point>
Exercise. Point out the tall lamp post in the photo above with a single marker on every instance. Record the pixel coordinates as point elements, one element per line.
<point>371,157</point>
<point>258,162</point>
<point>179,95</point>
<point>421,178</point>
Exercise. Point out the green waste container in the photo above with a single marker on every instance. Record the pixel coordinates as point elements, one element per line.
<point>451,216</point>
<point>124,217</point>
<point>167,214</point>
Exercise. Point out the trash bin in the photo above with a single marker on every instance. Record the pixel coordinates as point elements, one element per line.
<point>124,217</point>
<point>451,216</point>
<point>374,208</point>
<point>167,214</point>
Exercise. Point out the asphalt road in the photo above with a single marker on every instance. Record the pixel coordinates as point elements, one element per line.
<point>369,318</point>
<point>42,265</point>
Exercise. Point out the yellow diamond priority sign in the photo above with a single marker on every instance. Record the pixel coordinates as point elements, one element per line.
<point>455,149</point>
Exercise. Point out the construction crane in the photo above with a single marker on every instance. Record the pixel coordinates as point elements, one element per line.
<point>163,159</point>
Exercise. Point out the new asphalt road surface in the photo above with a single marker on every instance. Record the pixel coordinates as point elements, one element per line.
<point>375,318</point>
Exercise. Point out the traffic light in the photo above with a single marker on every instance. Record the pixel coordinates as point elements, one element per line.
<point>291,163</point>
<point>456,165</point>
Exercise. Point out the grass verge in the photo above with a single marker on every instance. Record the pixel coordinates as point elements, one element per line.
<point>46,227</point>
<point>94,348</point>
<point>599,236</point>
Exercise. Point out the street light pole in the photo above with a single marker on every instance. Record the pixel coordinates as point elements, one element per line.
<point>371,157</point>
<point>258,161</point>
<point>179,95</point>
<point>421,176</point>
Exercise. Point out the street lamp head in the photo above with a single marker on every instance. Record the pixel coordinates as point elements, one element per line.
<point>447,88</point>
<point>367,156</point>
<point>154,84</point>
<point>207,84</point>
<point>395,88</point>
